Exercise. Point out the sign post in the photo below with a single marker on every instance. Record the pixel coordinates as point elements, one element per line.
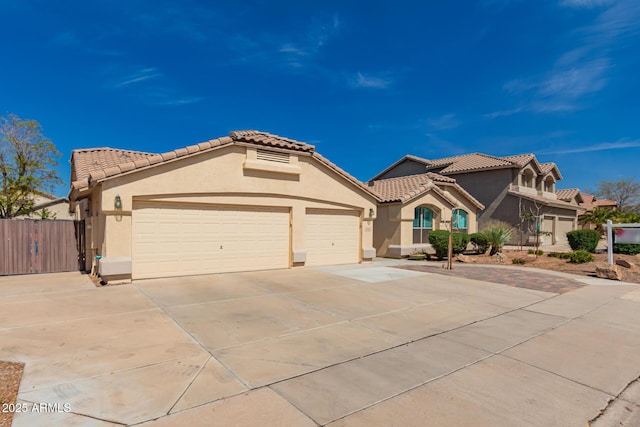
<point>625,233</point>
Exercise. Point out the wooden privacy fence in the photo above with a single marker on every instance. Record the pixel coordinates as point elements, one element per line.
<point>31,246</point>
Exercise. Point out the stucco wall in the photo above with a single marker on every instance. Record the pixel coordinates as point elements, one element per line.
<point>394,225</point>
<point>407,167</point>
<point>489,188</point>
<point>218,177</point>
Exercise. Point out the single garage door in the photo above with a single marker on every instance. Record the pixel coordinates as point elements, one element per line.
<point>547,227</point>
<point>178,240</point>
<point>332,237</point>
<point>564,226</point>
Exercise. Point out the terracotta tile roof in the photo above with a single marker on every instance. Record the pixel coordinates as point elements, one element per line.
<point>468,163</point>
<point>544,201</point>
<point>520,159</point>
<point>97,164</point>
<point>270,140</point>
<point>590,202</point>
<point>344,174</point>
<point>404,188</point>
<point>605,203</point>
<point>567,194</point>
<point>91,159</point>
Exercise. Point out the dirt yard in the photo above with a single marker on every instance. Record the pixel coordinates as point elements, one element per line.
<point>563,265</point>
<point>10,376</point>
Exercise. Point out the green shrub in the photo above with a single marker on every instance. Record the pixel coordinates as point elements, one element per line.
<point>498,234</point>
<point>585,240</point>
<point>561,255</point>
<point>460,242</point>
<point>519,261</point>
<point>626,248</point>
<point>580,256</point>
<point>479,242</point>
<point>439,239</point>
<point>538,252</point>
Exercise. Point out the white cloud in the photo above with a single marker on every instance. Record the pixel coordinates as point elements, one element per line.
<point>369,81</point>
<point>585,3</point>
<point>604,146</point>
<point>291,51</point>
<point>139,76</point>
<point>582,70</point>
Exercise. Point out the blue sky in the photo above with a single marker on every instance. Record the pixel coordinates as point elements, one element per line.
<point>366,82</point>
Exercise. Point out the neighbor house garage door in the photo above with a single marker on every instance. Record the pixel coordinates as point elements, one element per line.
<point>187,240</point>
<point>332,237</point>
<point>564,226</point>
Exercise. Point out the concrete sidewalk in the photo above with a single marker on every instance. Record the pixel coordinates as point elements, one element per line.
<point>345,345</point>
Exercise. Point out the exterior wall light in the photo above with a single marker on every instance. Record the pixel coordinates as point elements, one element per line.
<point>117,202</point>
<point>371,212</point>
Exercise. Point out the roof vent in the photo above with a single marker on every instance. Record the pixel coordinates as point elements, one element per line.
<point>272,156</point>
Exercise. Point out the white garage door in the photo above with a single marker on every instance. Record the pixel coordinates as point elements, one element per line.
<point>332,237</point>
<point>187,240</point>
<point>564,226</point>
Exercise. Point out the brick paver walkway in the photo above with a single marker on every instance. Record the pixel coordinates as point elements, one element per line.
<point>520,279</point>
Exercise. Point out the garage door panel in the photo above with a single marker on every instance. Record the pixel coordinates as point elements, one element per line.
<point>332,237</point>
<point>188,240</point>
<point>564,226</point>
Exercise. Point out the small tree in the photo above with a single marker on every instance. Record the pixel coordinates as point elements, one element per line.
<point>530,223</point>
<point>626,192</point>
<point>27,164</point>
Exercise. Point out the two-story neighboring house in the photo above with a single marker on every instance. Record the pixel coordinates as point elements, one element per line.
<point>508,187</point>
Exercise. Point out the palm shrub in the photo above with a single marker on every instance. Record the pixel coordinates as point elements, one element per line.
<point>597,217</point>
<point>498,233</point>
<point>586,240</point>
<point>479,242</point>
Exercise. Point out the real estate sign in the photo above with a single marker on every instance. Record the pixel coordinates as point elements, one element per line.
<point>628,235</point>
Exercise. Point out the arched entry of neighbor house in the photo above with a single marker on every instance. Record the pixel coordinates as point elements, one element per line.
<point>425,220</point>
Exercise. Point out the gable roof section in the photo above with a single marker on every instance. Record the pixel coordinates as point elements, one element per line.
<point>590,202</point>
<point>475,162</point>
<point>468,163</point>
<point>403,159</point>
<point>568,194</point>
<point>405,188</point>
<point>551,167</point>
<point>544,201</point>
<point>91,159</point>
<point>99,164</point>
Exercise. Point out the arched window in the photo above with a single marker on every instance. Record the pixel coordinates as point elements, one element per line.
<point>422,224</point>
<point>549,185</point>
<point>460,220</point>
<point>527,179</point>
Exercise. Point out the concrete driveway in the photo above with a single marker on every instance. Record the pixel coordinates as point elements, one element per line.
<point>345,345</point>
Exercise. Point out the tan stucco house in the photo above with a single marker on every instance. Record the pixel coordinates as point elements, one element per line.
<point>49,206</point>
<point>506,186</point>
<point>412,206</point>
<point>586,202</point>
<point>247,201</point>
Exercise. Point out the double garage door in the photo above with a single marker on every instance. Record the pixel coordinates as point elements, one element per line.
<point>557,229</point>
<point>178,240</point>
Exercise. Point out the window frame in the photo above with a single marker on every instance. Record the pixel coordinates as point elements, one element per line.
<point>420,232</point>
